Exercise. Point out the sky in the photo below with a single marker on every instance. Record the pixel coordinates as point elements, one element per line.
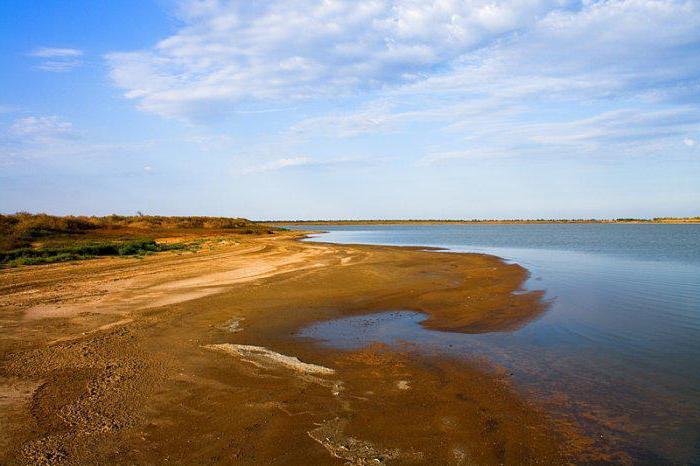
<point>328,109</point>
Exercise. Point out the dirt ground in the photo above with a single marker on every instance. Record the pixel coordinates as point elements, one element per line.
<point>191,358</point>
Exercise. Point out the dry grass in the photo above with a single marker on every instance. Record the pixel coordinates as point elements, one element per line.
<point>29,239</point>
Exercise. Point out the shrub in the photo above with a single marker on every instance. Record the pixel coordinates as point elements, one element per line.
<point>33,256</point>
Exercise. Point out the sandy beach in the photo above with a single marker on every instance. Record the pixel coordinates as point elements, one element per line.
<point>191,357</point>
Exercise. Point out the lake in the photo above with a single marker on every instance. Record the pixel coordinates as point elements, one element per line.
<point>618,350</point>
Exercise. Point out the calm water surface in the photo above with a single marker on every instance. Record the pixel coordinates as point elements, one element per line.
<point>617,352</point>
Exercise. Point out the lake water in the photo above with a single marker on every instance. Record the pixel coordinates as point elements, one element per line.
<point>618,350</point>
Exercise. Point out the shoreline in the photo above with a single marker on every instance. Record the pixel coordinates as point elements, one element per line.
<point>664,221</point>
<point>134,360</point>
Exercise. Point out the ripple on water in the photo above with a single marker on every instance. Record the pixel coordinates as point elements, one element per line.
<point>620,339</point>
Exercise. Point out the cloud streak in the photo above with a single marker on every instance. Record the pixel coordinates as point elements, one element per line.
<point>57,60</point>
<point>41,129</point>
<point>50,136</point>
<point>279,164</point>
<point>306,162</point>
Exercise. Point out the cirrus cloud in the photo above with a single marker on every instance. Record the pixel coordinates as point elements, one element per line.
<point>278,164</point>
<point>57,59</point>
<point>41,129</point>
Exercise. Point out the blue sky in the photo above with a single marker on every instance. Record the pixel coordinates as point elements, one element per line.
<point>351,109</point>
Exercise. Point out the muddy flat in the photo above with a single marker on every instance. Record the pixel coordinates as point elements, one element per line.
<point>193,357</point>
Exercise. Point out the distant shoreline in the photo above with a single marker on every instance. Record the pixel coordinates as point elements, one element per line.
<point>669,220</point>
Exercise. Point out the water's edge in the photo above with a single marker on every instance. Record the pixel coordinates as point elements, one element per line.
<point>618,351</point>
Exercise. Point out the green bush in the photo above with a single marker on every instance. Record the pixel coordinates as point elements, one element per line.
<point>32,256</point>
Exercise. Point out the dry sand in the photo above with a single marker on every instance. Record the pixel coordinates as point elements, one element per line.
<point>190,358</point>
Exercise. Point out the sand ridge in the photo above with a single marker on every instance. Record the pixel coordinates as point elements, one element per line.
<point>263,357</point>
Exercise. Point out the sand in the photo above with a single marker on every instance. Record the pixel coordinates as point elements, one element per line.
<point>266,358</point>
<point>192,358</point>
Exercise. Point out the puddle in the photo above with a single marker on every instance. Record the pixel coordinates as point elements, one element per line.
<point>600,406</point>
<point>358,332</point>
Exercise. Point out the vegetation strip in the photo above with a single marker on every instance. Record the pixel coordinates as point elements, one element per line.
<point>33,239</point>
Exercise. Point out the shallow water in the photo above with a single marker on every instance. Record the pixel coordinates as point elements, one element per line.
<point>618,350</point>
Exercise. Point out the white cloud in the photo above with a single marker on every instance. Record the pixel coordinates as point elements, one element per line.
<point>53,136</point>
<point>41,129</point>
<point>211,142</point>
<point>279,164</point>
<point>304,161</point>
<point>602,50</point>
<point>625,132</point>
<point>384,117</point>
<point>433,158</point>
<point>619,126</point>
<point>53,52</point>
<point>690,142</point>
<point>229,52</point>
<point>232,51</point>
<point>494,77</point>
<point>375,118</point>
<point>57,60</point>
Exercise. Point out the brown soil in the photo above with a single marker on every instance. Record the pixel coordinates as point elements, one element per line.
<point>189,358</point>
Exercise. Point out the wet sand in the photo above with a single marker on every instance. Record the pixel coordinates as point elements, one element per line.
<point>192,358</point>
